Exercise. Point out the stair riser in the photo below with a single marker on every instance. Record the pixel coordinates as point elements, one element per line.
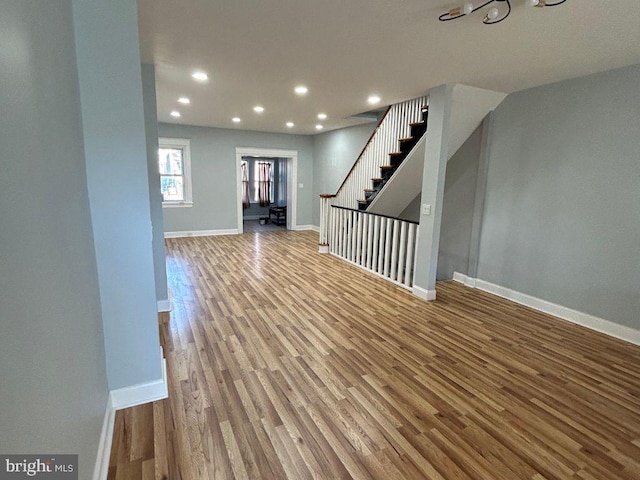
<point>407,146</point>
<point>396,160</point>
<point>387,173</point>
<point>418,130</point>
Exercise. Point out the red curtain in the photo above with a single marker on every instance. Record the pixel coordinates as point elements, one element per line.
<point>245,186</point>
<point>264,184</point>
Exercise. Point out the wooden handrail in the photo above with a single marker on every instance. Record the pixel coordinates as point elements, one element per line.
<point>364,148</point>
<point>375,214</point>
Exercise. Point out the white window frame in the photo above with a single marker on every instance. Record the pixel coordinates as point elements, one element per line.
<point>183,144</point>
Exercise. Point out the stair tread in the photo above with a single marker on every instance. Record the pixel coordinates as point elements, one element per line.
<point>377,179</point>
<point>416,123</point>
<point>387,166</point>
<point>406,139</point>
<point>370,190</point>
<point>396,153</point>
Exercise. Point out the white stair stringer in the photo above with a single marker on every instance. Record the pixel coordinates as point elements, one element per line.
<point>403,186</point>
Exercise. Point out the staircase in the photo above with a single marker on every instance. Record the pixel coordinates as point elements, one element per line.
<point>406,144</point>
<point>381,244</point>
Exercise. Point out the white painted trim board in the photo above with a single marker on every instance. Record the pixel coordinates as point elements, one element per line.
<point>307,227</point>
<point>141,393</point>
<point>424,294</point>
<point>592,322</point>
<point>101,467</point>
<point>201,233</point>
<point>164,305</point>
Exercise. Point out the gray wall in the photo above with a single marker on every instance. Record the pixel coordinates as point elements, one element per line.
<point>334,153</point>
<point>108,59</point>
<point>53,387</point>
<point>412,211</point>
<point>213,172</point>
<point>155,197</point>
<point>561,217</point>
<point>457,209</point>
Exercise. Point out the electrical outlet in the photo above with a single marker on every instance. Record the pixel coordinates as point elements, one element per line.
<point>426,209</point>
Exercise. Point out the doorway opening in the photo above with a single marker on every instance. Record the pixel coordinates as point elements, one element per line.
<point>273,202</point>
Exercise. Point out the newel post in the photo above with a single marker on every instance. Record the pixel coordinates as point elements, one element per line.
<point>325,221</point>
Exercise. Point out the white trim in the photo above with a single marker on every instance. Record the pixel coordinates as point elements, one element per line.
<point>185,145</point>
<point>323,248</point>
<point>142,393</point>
<point>420,292</point>
<point>592,322</point>
<point>164,305</point>
<point>307,227</point>
<point>176,204</point>
<point>464,279</point>
<point>292,180</point>
<point>101,467</point>
<point>201,233</point>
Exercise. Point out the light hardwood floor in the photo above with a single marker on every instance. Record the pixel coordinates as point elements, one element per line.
<point>287,364</point>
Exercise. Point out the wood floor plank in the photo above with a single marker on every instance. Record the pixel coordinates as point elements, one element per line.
<point>287,364</point>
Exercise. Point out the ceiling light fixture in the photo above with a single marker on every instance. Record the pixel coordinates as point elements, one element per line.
<point>175,114</point>
<point>493,15</point>
<point>322,116</point>
<point>319,127</point>
<point>258,109</point>
<point>373,99</point>
<point>236,120</point>
<point>301,90</point>
<point>184,100</point>
<point>290,124</point>
<point>200,76</point>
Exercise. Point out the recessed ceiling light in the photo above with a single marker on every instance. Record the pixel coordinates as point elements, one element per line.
<point>200,76</point>
<point>258,109</point>
<point>290,124</point>
<point>319,127</point>
<point>301,90</point>
<point>373,99</point>
<point>236,120</point>
<point>322,116</point>
<point>175,114</point>
<point>184,100</point>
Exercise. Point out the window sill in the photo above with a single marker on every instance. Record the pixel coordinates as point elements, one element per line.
<point>177,205</point>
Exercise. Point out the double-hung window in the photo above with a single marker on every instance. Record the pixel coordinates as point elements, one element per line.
<point>174,165</point>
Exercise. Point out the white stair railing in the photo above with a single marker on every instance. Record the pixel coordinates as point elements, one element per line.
<point>394,125</point>
<point>380,244</point>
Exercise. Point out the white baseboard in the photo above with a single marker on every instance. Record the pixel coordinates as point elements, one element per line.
<point>307,227</point>
<point>164,306</point>
<point>427,295</point>
<point>601,325</point>
<point>462,278</point>
<point>117,400</point>
<point>323,248</point>
<point>201,233</point>
<point>142,393</point>
<point>101,468</point>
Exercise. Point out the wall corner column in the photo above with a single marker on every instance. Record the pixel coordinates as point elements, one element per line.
<point>433,177</point>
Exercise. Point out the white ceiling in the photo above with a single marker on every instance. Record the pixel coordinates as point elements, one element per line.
<point>257,51</point>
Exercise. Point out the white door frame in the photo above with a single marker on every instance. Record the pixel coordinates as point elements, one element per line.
<point>292,179</point>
